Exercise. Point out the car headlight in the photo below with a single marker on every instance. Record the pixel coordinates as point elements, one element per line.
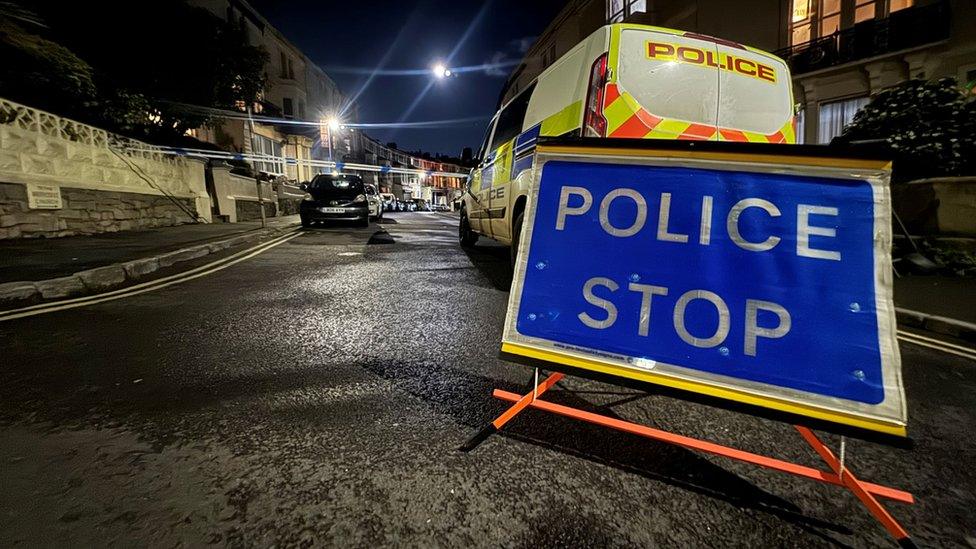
<point>359,198</point>
<point>307,197</point>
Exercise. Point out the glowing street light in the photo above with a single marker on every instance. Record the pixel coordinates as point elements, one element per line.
<point>333,124</point>
<point>441,72</point>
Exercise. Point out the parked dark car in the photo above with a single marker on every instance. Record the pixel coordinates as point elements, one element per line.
<point>331,197</point>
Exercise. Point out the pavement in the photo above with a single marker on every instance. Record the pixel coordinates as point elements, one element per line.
<point>45,258</point>
<point>316,394</point>
<point>37,270</point>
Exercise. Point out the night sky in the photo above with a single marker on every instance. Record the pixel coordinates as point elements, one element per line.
<point>355,35</point>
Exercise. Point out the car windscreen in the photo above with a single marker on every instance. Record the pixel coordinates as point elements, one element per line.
<point>328,185</point>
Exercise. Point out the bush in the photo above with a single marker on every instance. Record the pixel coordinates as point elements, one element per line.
<point>929,126</point>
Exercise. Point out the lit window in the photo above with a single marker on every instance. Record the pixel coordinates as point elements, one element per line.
<point>864,11</point>
<point>270,150</point>
<point>897,5</point>
<point>801,10</point>
<point>836,115</point>
<point>618,10</point>
<point>615,11</point>
<point>800,22</point>
<point>829,17</point>
<point>801,34</point>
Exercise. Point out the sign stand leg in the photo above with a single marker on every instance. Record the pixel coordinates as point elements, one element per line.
<point>522,403</point>
<point>857,487</point>
<point>839,475</point>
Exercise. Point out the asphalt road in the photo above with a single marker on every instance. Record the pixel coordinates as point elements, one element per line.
<point>317,394</point>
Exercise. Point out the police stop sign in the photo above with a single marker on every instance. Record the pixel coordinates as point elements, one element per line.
<point>763,279</point>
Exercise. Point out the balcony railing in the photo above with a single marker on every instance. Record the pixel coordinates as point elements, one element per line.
<point>903,30</point>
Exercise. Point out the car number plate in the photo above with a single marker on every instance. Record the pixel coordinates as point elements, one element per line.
<point>332,210</point>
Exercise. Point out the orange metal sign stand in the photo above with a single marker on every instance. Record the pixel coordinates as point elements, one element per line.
<point>839,475</point>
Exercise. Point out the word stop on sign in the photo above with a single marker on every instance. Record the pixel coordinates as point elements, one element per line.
<point>751,333</point>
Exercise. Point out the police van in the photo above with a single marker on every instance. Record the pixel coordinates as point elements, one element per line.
<point>625,81</point>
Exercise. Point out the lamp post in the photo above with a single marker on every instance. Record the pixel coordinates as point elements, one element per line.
<point>257,179</point>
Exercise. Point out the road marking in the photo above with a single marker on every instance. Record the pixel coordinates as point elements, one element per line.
<point>937,344</point>
<point>150,286</point>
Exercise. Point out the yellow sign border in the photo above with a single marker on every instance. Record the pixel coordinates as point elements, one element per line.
<point>826,162</point>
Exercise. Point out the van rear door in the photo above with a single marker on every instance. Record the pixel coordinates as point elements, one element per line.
<point>677,85</point>
<point>755,98</point>
<point>657,94</point>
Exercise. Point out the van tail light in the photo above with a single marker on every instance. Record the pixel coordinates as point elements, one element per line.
<point>594,123</point>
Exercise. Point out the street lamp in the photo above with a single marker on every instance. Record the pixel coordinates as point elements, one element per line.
<point>332,124</point>
<point>441,72</point>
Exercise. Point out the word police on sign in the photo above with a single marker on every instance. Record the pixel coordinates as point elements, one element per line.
<point>763,280</point>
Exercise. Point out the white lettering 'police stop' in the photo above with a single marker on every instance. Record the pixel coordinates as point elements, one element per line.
<point>752,331</point>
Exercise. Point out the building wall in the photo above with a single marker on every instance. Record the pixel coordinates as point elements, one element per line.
<point>857,80</point>
<point>295,85</point>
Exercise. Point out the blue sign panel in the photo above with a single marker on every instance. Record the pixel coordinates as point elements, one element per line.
<point>766,281</point>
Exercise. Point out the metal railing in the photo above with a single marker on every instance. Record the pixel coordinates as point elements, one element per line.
<point>903,30</point>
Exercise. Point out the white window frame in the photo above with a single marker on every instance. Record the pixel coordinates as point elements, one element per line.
<point>265,146</point>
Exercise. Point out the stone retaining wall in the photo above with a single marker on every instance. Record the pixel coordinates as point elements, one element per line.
<point>106,182</point>
<point>87,211</point>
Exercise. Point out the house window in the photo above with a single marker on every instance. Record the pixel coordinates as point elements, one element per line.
<point>283,69</point>
<point>287,108</point>
<point>829,17</point>
<point>549,55</point>
<point>897,5</point>
<point>270,152</point>
<point>864,10</point>
<point>301,109</point>
<point>834,116</point>
<point>291,70</point>
<point>800,22</point>
<point>618,10</point>
<point>801,126</point>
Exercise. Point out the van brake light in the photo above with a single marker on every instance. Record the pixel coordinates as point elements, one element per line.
<point>594,123</point>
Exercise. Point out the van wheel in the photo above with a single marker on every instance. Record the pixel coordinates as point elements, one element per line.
<point>466,236</point>
<point>516,237</point>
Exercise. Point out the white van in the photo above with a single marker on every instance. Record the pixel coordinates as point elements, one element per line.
<point>625,81</point>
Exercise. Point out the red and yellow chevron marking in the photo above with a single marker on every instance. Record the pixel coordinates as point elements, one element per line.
<point>627,118</point>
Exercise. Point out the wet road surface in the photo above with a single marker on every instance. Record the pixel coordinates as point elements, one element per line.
<point>317,394</point>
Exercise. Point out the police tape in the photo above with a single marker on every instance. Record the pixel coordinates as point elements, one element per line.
<point>325,164</point>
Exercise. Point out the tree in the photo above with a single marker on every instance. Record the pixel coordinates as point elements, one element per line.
<point>154,63</point>
<point>38,71</point>
<point>929,126</point>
